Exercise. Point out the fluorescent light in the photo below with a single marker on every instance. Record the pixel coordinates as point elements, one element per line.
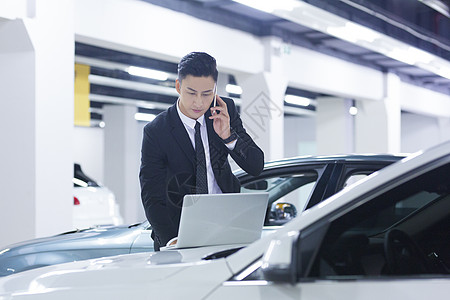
<point>297,100</point>
<point>148,73</point>
<point>270,6</point>
<point>353,111</point>
<point>144,117</point>
<point>233,89</point>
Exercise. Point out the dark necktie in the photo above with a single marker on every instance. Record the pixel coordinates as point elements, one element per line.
<point>201,178</point>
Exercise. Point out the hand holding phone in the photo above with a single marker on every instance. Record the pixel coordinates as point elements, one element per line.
<point>220,117</point>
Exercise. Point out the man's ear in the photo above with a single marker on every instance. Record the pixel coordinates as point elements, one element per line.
<point>178,86</point>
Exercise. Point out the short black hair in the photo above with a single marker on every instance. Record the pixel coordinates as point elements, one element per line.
<point>198,64</point>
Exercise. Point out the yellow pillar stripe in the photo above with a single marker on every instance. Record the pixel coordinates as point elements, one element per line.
<point>82,88</point>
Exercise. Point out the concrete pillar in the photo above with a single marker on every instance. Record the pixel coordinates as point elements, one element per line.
<point>122,159</point>
<point>262,109</point>
<point>36,121</point>
<point>378,123</point>
<point>334,126</point>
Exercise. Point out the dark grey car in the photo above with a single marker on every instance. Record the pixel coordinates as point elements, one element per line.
<point>294,185</point>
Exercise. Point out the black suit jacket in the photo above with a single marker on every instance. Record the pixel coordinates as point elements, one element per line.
<point>168,166</point>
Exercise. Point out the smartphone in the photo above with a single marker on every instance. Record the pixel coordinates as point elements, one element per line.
<point>215,96</point>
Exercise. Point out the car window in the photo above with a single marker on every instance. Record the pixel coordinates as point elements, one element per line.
<point>293,190</point>
<point>403,231</point>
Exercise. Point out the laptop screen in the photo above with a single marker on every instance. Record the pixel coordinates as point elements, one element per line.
<point>220,219</point>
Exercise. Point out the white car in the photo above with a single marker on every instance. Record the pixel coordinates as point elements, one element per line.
<point>94,204</point>
<point>384,237</point>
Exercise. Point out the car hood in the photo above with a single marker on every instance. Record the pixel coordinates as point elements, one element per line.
<point>68,240</point>
<point>143,273</point>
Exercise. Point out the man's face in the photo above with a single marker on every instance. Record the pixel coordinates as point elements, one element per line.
<point>196,95</point>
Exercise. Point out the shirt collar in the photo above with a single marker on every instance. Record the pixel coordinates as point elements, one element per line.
<point>188,121</point>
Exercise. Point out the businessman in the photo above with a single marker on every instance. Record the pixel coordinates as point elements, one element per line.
<point>185,148</point>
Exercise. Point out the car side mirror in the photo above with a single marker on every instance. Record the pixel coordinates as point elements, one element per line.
<point>281,213</point>
<point>260,185</point>
<point>279,261</point>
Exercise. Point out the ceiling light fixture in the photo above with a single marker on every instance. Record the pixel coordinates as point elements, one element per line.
<point>148,73</point>
<point>297,100</point>
<point>353,111</point>
<point>233,89</point>
<point>144,117</point>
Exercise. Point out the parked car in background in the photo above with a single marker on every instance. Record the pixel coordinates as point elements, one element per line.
<point>294,185</point>
<point>94,204</point>
<point>385,237</point>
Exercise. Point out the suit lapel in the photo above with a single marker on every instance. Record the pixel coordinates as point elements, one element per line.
<point>180,135</point>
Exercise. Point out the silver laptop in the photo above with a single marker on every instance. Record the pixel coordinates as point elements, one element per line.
<point>221,219</point>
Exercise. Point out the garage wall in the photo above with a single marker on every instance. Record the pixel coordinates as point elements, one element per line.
<point>299,136</point>
<point>88,148</point>
<point>421,132</point>
<point>12,9</point>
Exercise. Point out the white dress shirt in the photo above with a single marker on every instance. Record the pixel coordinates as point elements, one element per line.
<point>189,124</point>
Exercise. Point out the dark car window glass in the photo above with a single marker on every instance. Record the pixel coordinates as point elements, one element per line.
<point>357,243</point>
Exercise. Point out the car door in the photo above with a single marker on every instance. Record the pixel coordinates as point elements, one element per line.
<point>393,242</point>
<point>395,245</point>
